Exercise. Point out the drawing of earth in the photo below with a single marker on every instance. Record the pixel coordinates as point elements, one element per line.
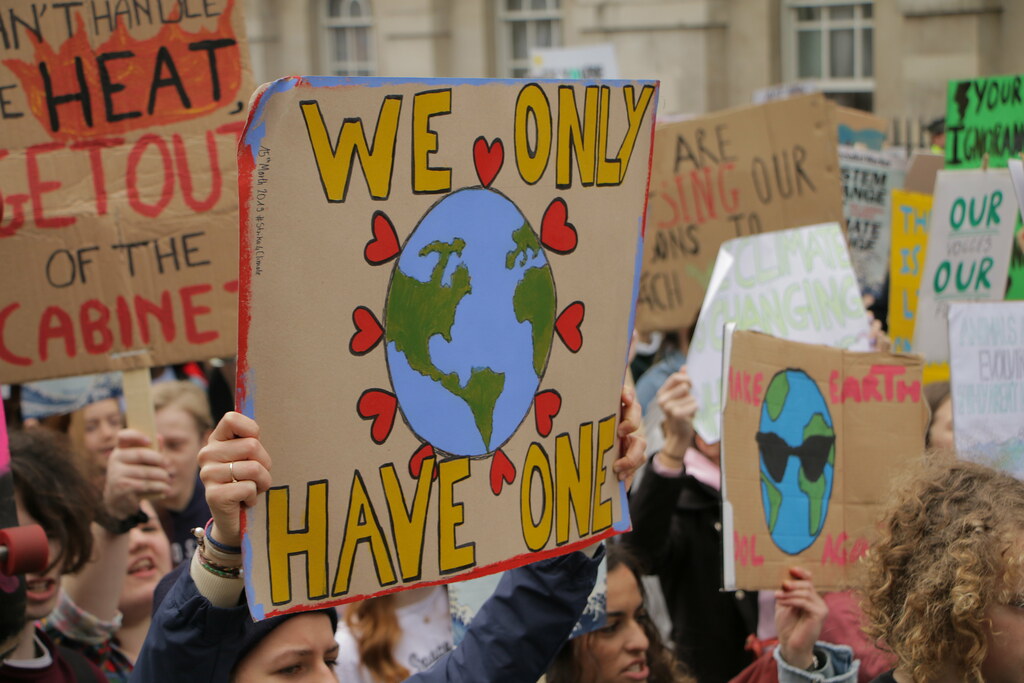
<point>796,442</point>
<point>469,322</point>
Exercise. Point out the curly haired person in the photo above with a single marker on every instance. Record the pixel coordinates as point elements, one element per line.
<point>945,588</point>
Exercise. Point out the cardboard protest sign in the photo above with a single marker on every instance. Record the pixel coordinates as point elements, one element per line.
<point>861,129</point>
<point>811,437</point>
<point>985,124</point>
<point>911,213</point>
<point>795,284</point>
<point>467,597</point>
<point>968,256</point>
<point>117,147</point>
<point>741,172</point>
<point>453,301</point>
<point>921,171</point>
<point>868,179</point>
<point>583,61</point>
<point>783,91</point>
<point>986,358</point>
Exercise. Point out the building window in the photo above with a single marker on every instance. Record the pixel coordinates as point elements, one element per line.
<point>349,43</point>
<point>831,45</point>
<point>525,24</point>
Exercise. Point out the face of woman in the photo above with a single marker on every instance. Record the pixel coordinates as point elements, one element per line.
<point>300,649</point>
<point>617,653</point>
<point>182,441</point>
<point>101,421</point>
<point>149,559</point>
<point>940,433</point>
<point>41,589</point>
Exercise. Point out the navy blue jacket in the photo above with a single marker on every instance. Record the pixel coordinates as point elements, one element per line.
<point>514,637</point>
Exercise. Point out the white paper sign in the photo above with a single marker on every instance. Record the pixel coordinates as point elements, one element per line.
<point>986,362</point>
<point>968,257</point>
<point>868,179</point>
<point>1016,167</point>
<point>794,284</point>
<point>586,61</point>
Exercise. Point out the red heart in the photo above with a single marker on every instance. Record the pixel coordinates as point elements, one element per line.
<point>568,326</point>
<point>380,406</point>
<point>557,233</point>
<point>368,331</point>
<point>502,470</point>
<point>384,245</point>
<point>488,159</point>
<point>416,461</point>
<point>546,405</point>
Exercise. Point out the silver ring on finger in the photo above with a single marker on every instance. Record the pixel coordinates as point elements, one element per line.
<point>231,471</point>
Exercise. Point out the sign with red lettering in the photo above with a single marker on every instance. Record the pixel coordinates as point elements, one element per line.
<point>449,267</point>
<point>118,245</point>
<point>811,437</point>
<point>732,174</point>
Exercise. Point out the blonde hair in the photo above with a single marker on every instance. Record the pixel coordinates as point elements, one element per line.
<point>374,625</point>
<point>950,548</point>
<point>187,396</point>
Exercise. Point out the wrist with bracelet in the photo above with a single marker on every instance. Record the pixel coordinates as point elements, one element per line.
<point>216,557</point>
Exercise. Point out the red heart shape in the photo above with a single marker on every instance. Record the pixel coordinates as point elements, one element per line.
<point>368,331</point>
<point>488,159</point>
<point>384,245</point>
<point>416,461</point>
<point>556,232</point>
<point>546,405</point>
<point>380,406</point>
<point>568,326</point>
<point>502,470</point>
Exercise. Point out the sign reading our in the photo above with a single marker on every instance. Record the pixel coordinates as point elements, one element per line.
<point>117,207</point>
<point>986,359</point>
<point>740,172</point>
<point>969,240</point>
<point>449,268</point>
<point>810,436</point>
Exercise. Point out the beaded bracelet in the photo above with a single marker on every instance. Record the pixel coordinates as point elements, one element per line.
<point>233,549</point>
<point>232,573</point>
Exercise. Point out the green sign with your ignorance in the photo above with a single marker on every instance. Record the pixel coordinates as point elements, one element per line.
<point>986,116</point>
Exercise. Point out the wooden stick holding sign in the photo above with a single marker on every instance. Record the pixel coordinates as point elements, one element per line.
<point>138,402</point>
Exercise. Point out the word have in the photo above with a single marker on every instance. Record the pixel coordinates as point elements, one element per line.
<point>879,385</point>
<point>145,197</point>
<point>585,139</point>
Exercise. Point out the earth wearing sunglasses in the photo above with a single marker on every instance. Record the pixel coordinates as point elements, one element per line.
<point>796,442</point>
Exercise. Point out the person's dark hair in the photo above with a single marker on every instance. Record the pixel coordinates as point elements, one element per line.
<point>661,661</point>
<point>53,490</point>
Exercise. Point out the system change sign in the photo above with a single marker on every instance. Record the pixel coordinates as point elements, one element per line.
<point>437,289</point>
<point>117,175</point>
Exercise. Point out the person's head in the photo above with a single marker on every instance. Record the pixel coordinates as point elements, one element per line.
<point>376,631</point>
<point>940,425</point>
<point>294,647</point>
<point>628,649</point>
<point>50,491</point>
<point>183,421</point>
<point>149,559</point>
<point>945,581</point>
<point>94,430</point>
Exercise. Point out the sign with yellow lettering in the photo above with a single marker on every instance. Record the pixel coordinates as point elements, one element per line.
<point>811,436</point>
<point>437,287</point>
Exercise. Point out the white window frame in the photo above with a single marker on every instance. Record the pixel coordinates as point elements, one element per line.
<point>505,18</point>
<point>351,25</point>
<point>790,52</point>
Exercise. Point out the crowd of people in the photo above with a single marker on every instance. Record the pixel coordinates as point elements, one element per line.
<point>145,575</point>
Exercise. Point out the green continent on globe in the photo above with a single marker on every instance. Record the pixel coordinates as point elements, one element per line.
<point>416,311</point>
<point>534,298</point>
<point>774,502</point>
<point>775,397</point>
<point>815,490</point>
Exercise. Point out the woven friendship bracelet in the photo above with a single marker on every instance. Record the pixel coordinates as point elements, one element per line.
<point>233,549</point>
